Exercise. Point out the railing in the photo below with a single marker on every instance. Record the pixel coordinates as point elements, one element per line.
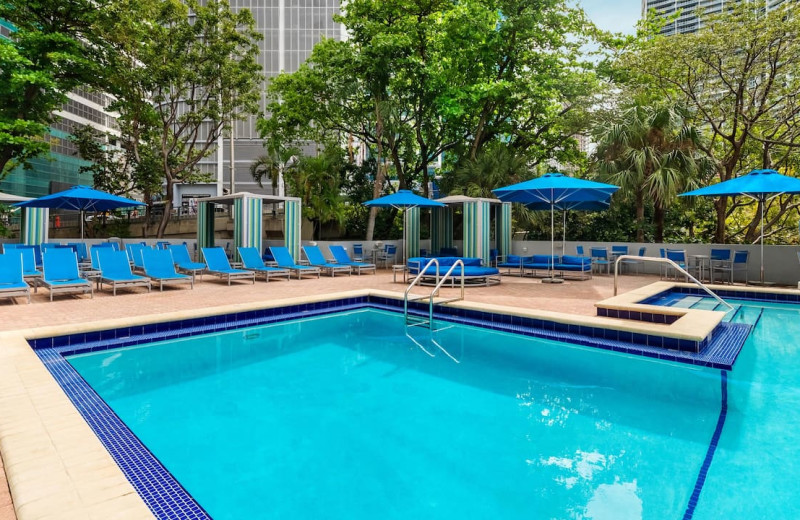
<point>674,266</point>
<point>440,280</point>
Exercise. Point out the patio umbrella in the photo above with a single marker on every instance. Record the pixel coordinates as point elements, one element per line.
<point>592,205</point>
<point>759,185</point>
<point>556,191</point>
<point>80,198</point>
<point>403,199</point>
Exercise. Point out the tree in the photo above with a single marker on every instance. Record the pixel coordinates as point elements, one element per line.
<point>738,76</point>
<point>273,165</point>
<point>651,154</point>
<point>494,167</point>
<point>317,181</point>
<point>55,47</point>
<point>420,80</point>
<point>182,81</point>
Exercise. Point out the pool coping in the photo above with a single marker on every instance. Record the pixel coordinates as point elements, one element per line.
<point>55,463</point>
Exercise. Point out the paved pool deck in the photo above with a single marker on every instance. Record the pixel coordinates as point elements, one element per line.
<point>572,297</point>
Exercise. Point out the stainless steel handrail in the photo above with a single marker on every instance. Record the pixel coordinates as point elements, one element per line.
<point>422,271</point>
<point>675,266</point>
<point>435,290</point>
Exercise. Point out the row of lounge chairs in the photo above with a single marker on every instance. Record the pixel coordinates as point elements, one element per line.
<point>139,265</point>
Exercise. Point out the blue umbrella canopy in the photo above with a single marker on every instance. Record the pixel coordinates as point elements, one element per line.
<point>553,188</point>
<point>760,185</point>
<point>80,198</point>
<point>557,191</point>
<point>403,199</point>
<point>400,200</point>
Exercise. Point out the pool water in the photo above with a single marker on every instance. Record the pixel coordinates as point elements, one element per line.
<point>343,416</point>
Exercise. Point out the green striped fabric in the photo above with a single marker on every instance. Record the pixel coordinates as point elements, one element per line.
<point>441,229</point>
<point>205,224</point>
<point>291,226</point>
<point>411,232</point>
<point>504,234</point>
<point>476,230</point>
<point>247,224</point>
<point>34,227</point>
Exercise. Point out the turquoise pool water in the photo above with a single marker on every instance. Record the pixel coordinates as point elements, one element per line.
<point>343,416</point>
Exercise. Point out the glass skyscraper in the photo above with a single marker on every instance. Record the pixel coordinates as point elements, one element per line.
<point>290,28</point>
<point>689,21</point>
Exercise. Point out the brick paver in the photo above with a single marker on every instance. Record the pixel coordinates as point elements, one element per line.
<point>575,297</point>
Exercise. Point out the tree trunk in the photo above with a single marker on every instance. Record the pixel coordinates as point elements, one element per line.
<point>162,226</point>
<point>640,216</point>
<point>658,217</point>
<point>721,206</point>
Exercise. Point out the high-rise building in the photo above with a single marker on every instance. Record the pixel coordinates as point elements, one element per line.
<point>688,20</point>
<point>290,29</point>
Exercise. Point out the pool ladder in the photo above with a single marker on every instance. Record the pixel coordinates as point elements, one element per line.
<point>414,321</point>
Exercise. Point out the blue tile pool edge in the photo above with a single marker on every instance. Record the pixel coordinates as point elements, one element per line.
<point>712,448</point>
<point>159,489</point>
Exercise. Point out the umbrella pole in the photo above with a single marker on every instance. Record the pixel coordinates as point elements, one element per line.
<point>552,278</point>
<point>80,215</point>
<point>564,234</point>
<point>763,203</point>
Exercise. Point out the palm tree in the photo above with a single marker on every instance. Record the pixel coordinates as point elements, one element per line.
<point>651,154</point>
<point>495,167</point>
<point>273,165</point>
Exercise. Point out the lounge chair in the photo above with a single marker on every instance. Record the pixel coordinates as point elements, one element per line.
<point>159,267</point>
<point>12,283</point>
<point>60,273</point>
<point>218,265</point>
<point>29,270</point>
<point>182,260</point>
<point>135,255</point>
<point>116,270</point>
<point>340,255</point>
<point>284,259</point>
<point>317,259</point>
<point>252,261</point>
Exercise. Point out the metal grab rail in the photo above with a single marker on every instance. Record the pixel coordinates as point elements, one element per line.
<point>440,280</point>
<point>435,290</point>
<point>414,282</point>
<point>675,266</point>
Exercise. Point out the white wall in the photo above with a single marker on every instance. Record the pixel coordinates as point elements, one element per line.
<point>781,264</point>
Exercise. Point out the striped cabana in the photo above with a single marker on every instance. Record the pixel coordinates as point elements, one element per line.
<point>247,224</point>
<point>441,229</point>
<point>411,231</point>
<point>293,217</point>
<point>477,217</point>
<point>476,229</point>
<point>35,223</point>
<point>248,220</point>
<point>503,223</point>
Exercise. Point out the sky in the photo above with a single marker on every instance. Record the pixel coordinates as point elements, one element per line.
<point>613,15</point>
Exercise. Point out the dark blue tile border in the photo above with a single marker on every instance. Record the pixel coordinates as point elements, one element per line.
<point>712,448</point>
<point>674,294</point>
<point>164,495</point>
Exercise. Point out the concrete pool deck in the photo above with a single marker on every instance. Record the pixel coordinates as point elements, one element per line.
<point>57,468</point>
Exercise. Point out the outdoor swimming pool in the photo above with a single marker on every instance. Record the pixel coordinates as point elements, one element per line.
<point>342,416</point>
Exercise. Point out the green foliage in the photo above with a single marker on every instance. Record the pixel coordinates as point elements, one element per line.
<point>738,77</point>
<point>649,152</point>
<point>54,49</point>
<point>419,79</point>
<point>495,166</point>
<point>317,182</point>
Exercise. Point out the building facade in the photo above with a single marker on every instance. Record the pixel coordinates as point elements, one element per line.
<point>290,29</point>
<point>688,21</point>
